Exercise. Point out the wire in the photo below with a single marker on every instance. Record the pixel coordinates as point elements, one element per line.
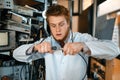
<point>86,66</point>
<point>81,57</point>
<point>21,72</point>
<point>21,76</point>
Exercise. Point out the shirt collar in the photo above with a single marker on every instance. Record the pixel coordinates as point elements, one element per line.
<point>68,39</point>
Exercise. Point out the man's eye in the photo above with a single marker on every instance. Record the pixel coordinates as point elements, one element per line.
<point>52,25</point>
<point>62,24</point>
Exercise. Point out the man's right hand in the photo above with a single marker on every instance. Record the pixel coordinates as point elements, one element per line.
<point>44,47</point>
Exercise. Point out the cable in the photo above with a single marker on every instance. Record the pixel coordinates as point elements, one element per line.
<point>81,57</point>
<point>25,72</point>
<point>86,66</point>
<point>21,72</point>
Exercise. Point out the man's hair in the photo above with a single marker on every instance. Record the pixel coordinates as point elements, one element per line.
<point>58,10</point>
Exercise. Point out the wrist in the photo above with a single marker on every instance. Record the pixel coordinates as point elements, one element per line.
<point>86,49</point>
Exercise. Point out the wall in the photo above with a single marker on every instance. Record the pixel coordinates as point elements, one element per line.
<point>80,21</point>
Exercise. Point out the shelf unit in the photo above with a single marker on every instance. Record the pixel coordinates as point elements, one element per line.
<point>98,69</point>
<point>19,28</point>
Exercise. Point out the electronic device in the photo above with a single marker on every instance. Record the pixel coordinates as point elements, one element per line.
<point>6,4</point>
<point>3,38</point>
<point>7,40</point>
<point>12,25</point>
<point>18,18</point>
<point>26,10</point>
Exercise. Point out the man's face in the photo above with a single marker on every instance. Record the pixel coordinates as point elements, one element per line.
<point>59,27</point>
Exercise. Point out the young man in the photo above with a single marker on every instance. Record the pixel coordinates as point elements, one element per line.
<point>69,60</point>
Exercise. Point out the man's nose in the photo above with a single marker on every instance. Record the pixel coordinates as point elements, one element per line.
<point>57,28</point>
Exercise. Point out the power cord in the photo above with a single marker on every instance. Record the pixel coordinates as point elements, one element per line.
<point>86,66</point>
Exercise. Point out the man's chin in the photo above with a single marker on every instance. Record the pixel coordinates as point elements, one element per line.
<point>59,39</point>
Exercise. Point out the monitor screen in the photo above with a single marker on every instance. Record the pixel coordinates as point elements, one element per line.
<point>3,38</point>
<point>7,40</point>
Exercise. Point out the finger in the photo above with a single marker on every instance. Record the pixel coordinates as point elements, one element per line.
<point>75,51</point>
<point>68,51</point>
<point>35,48</point>
<point>42,49</point>
<point>38,49</point>
<point>65,48</point>
<point>65,51</point>
<point>71,52</point>
<point>50,48</point>
<point>45,47</point>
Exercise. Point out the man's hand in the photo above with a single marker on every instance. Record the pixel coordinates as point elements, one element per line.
<point>43,47</point>
<point>73,48</point>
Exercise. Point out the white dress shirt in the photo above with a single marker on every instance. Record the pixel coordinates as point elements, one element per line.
<point>69,67</point>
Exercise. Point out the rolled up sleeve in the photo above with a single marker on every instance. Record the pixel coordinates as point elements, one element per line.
<point>103,49</point>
